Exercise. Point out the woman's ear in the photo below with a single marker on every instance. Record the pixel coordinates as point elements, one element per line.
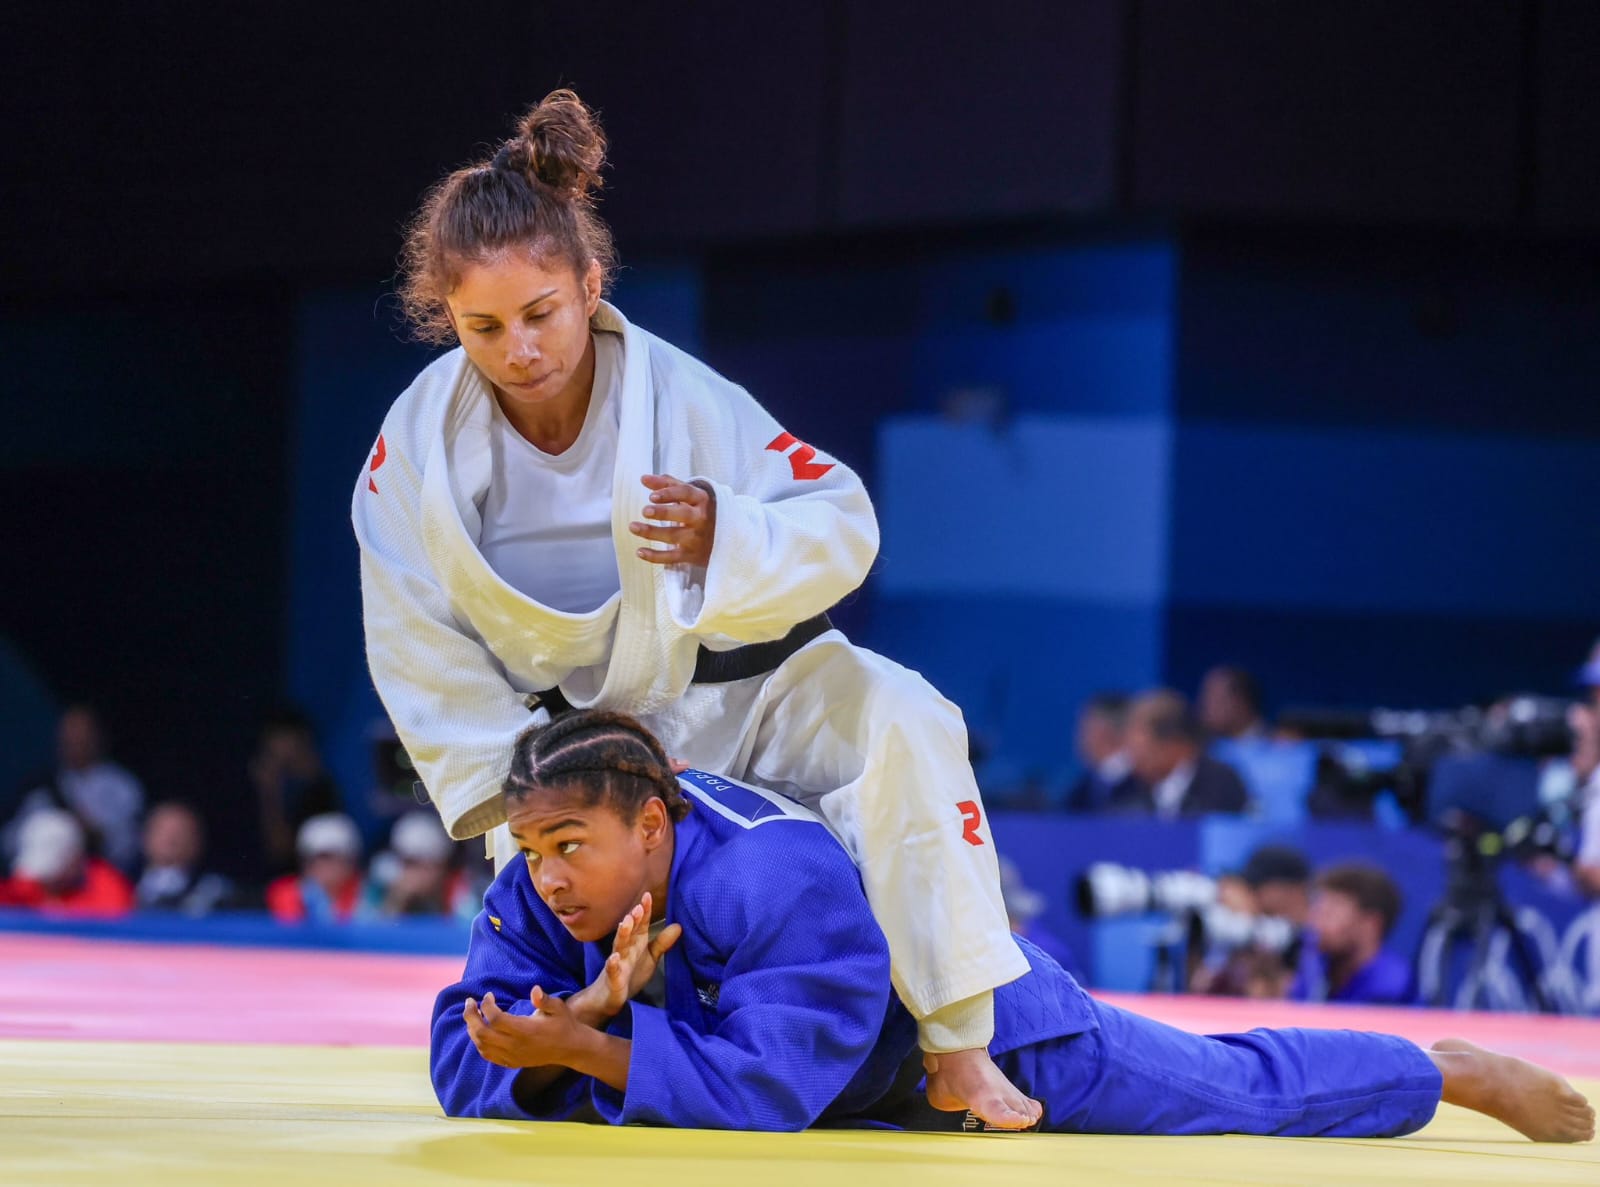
<point>591,287</point>
<point>653,822</point>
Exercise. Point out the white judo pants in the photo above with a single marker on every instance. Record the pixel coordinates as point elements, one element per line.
<point>874,749</point>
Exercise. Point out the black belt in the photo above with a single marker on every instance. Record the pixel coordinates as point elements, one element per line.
<point>719,667</point>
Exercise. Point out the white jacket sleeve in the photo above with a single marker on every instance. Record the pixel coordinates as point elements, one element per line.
<point>795,532</point>
<point>446,694</point>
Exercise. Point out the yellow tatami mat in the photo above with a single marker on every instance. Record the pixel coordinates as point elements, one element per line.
<point>127,1114</point>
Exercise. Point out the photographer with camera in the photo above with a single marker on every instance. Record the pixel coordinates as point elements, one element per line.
<point>1250,947</point>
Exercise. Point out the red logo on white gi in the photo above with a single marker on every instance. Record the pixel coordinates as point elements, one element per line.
<point>800,460</point>
<point>380,454</point>
<point>971,819</point>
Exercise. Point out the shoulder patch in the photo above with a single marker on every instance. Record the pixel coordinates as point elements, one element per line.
<point>741,803</point>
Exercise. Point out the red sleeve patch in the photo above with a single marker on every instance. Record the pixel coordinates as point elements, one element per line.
<point>800,461</point>
<point>380,454</point>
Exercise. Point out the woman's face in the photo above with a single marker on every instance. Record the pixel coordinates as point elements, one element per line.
<point>588,864</point>
<point>524,322</point>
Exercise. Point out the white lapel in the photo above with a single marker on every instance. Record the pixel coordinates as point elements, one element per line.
<point>645,672</point>
<point>454,480</point>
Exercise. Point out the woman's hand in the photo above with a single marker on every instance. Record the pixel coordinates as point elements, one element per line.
<point>634,957</point>
<point>686,519</point>
<point>633,960</point>
<point>549,1036</point>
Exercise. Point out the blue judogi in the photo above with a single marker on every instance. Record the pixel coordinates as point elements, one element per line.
<point>778,1015</point>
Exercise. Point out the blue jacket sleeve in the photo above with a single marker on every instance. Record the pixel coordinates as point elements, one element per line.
<point>803,997</point>
<point>507,960</point>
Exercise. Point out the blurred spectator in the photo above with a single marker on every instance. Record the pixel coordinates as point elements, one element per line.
<point>1024,905</point>
<point>1353,910</point>
<point>1279,878</point>
<point>414,875</point>
<point>1585,722</point>
<point>104,797</point>
<point>291,784</point>
<point>173,878</point>
<point>1266,975</point>
<point>328,887</point>
<point>1101,724</point>
<point>1175,776</point>
<point>1230,704</point>
<point>55,872</point>
<point>1237,961</point>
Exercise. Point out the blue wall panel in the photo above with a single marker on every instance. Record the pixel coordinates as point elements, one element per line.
<point>1320,657</point>
<point>1043,507</point>
<point>1018,666</point>
<point>1084,329</point>
<point>1384,522</point>
<point>1372,331</point>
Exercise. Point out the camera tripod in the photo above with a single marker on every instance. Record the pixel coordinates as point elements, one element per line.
<point>1473,910</point>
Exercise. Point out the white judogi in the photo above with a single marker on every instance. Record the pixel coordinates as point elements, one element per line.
<point>865,742</point>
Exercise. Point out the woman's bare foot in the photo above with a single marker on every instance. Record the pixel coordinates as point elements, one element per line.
<point>968,1080</point>
<point>1533,1101</point>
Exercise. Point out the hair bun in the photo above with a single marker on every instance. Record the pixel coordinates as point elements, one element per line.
<point>564,146</point>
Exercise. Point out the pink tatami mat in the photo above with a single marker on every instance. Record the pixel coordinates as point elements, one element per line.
<point>73,988</point>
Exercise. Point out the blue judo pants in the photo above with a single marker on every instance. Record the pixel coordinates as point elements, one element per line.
<point>1137,1076</point>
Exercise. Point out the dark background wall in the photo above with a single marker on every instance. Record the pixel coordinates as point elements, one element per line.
<point>1325,275</point>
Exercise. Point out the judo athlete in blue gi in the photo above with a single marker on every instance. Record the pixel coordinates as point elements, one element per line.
<point>687,951</point>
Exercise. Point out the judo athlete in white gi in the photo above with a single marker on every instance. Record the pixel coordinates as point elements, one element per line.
<point>505,564</point>
<point>749,989</point>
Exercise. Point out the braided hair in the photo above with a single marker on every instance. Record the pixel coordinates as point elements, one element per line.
<point>605,757</point>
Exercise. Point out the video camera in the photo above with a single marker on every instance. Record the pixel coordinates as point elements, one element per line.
<point>1521,729</point>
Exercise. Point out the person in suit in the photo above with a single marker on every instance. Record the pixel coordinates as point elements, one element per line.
<point>1230,704</point>
<point>1166,747</point>
<point>1108,773</point>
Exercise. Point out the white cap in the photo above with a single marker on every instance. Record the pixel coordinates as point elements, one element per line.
<point>49,843</point>
<point>418,836</point>
<point>332,833</point>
